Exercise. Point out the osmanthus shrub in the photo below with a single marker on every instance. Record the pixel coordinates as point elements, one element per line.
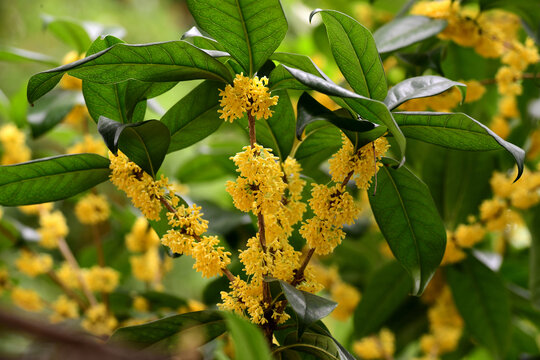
<point>271,280</point>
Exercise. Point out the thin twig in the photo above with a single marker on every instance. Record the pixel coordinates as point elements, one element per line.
<point>299,276</point>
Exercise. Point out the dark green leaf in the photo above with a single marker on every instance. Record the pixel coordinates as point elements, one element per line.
<point>368,109</point>
<point>455,131</point>
<point>321,346</point>
<point>417,87</point>
<point>276,132</point>
<point>158,62</point>
<point>320,328</point>
<point>385,292</point>
<point>407,30</point>
<point>159,300</point>
<point>51,111</point>
<point>321,140</point>
<point>70,32</point>
<point>360,132</point>
<point>208,324</point>
<point>482,301</point>
<point>194,117</point>
<point>409,220</point>
<point>51,179</point>
<point>355,53</point>
<point>534,260</point>
<point>20,55</point>
<point>145,143</point>
<point>249,342</point>
<point>249,30</point>
<point>308,307</point>
<point>282,79</point>
<point>205,167</point>
<point>200,40</point>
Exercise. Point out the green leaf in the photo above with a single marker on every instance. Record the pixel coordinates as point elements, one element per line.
<point>320,328</point>
<point>159,300</point>
<point>482,300</point>
<point>51,111</point>
<point>194,117</point>
<point>409,220</point>
<point>407,30</point>
<point>145,143</point>
<point>207,324</point>
<point>309,308</point>
<point>355,53</point>
<point>12,54</point>
<point>249,30</point>
<point>249,342</point>
<point>200,40</point>
<point>70,32</point>
<point>158,62</point>
<point>418,87</point>
<point>321,141</point>
<point>280,78</point>
<point>321,346</point>
<point>387,289</point>
<point>534,257</point>
<point>455,131</point>
<point>368,109</point>
<point>276,132</point>
<point>51,179</point>
<point>360,132</point>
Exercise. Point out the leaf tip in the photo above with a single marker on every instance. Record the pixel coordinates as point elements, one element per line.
<point>313,13</point>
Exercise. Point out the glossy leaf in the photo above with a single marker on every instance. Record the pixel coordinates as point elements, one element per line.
<point>320,346</point>
<point>320,141</point>
<point>51,111</point>
<point>355,53</point>
<point>320,328</point>
<point>418,87</point>
<point>124,102</point>
<point>51,179</point>
<point>200,40</point>
<point>309,308</point>
<point>20,55</point>
<point>407,30</point>
<point>194,117</point>
<point>280,78</point>
<point>145,143</point>
<point>368,109</point>
<point>161,300</point>
<point>360,132</point>
<point>455,131</point>
<point>276,132</point>
<point>158,62</point>
<point>409,220</point>
<point>482,300</point>
<point>207,324</point>
<point>249,342</point>
<point>385,292</point>
<point>70,32</point>
<point>249,30</point>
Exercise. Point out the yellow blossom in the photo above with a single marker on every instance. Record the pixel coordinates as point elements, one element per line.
<point>104,279</point>
<point>88,145</point>
<point>14,149</point>
<point>98,321</point>
<point>26,299</point>
<point>78,116</point>
<point>69,82</point>
<point>508,81</point>
<point>52,227</point>
<point>500,126</point>
<point>140,303</point>
<point>347,298</point>
<point>475,91</point>
<point>209,258</point>
<point>468,235</point>
<point>146,267</point>
<point>142,237</point>
<point>64,309</point>
<point>68,276</point>
<point>246,95</point>
<point>92,209</point>
<point>380,346</point>
<point>333,204</point>
<point>36,209</point>
<point>508,106</point>
<point>33,264</point>
<point>452,253</point>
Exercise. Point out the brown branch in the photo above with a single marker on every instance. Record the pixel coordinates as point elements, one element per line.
<point>299,275</point>
<point>251,123</point>
<point>72,294</point>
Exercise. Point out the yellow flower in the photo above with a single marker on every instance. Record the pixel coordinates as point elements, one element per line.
<point>64,309</point>
<point>508,81</point>
<point>68,276</point>
<point>452,253</point>
<point>500,126</point>
<point>469,235</point>
<point>92,209</point>
<point>88,145</point>
<point>52,227</point>
<point>142,237</point>
<point>321,235</point>
<point>209,258</point>
<point>333,204</point>
<point>140,303</point>
<point>381,346</point>
<point>14,147</point>
<point>347,297</point>
<point>69,82</point>
<point>78,116</point>
<point>98,321</point>
<point>27,299</point>
<point>246,95</point>
<point>36,209</point>
<point>104,279</point>
<point>508,107</point>
<point>146,267</point>
<point>475,91</point>
<point>33,264</point>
